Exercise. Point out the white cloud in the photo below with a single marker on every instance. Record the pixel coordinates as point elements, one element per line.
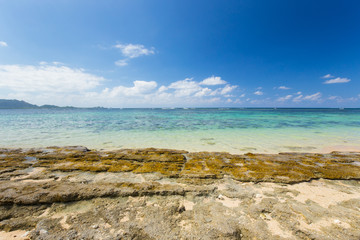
<point>3,44</point>
<point>259,93</point>
<point>46,78</point>
<point>189,87</point>
<point>327,76</point>
<point>134,50</point>
<point>139,88</point>
<point>63,85</point>
<point>337,80</point>
<point>298,98</point>
<point>283,99</point>
<point>162,89</point>
<point>130,51</point>
<point>121,62</point>
<point>242,95</point>
<point>313,97</point>
<point>185,84</point>
<point>228,88</point>
<point>212,81</point>
<point>203,92</point>
<point>283,88</point>
<point>185,87</point>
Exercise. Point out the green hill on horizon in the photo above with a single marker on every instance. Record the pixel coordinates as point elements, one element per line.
<point>15,104</point>
<point>20,104</point>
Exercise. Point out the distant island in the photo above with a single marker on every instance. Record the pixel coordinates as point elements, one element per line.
<point>17,104</point>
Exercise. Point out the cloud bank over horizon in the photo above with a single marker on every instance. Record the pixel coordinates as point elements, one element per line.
<point>54,83</point>
<point>58,84</point>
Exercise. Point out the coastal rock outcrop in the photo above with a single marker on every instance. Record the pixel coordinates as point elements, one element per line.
<point>77,193</point>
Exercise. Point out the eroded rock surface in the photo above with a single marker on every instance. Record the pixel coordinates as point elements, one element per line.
<point>75,193</point>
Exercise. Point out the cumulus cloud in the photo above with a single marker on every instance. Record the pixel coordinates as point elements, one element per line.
<point>162,89</point>
<point>213,81</point>
<point>283,88</point>
<point>228,88</point>
<point>259,93</point>
<point>134,50</point>
<point>139,88</point>
<point>130,51</point>
<point>184,84</point>
<point>337,80</point>
<point>3,44</point>
<point>62,85</point>
<point>178,93</point>
<point>203,92</point>
<point>327,76</point>
<point>190,87</point>
<point>46,78</point>
<point>185,87</point>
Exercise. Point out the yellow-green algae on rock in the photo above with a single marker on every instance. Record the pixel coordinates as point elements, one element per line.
<point>283,167</point>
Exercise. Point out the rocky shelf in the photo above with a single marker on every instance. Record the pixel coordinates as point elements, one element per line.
<point>77,193</point>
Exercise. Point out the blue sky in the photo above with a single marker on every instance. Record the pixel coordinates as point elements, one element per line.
<point>162,53</point>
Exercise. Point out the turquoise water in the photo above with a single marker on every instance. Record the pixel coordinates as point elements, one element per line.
<point>230,130</point>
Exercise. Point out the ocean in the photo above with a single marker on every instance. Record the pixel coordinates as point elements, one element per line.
<point>209,129</point>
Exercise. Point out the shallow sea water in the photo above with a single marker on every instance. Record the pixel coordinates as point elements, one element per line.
<point>230,130</point>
